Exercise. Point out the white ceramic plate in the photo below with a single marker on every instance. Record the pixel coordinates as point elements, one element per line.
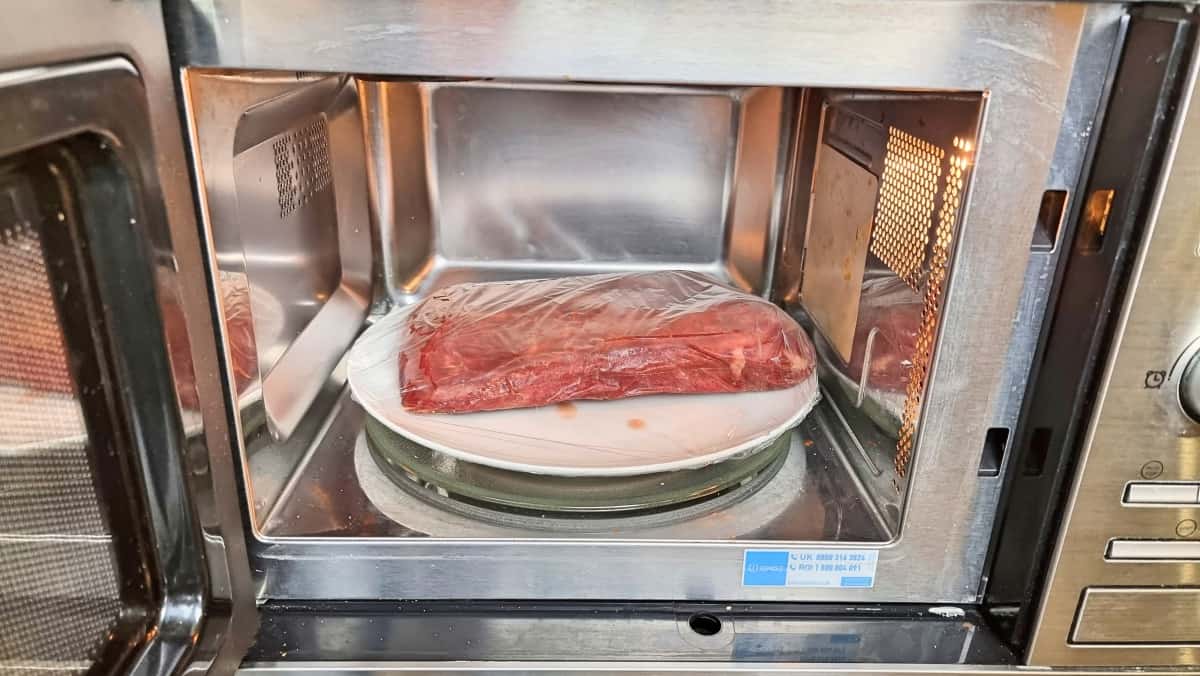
<point>622,437</point>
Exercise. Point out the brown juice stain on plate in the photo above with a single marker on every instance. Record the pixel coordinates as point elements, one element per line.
<point>566,409</point>
<point>636,423</point>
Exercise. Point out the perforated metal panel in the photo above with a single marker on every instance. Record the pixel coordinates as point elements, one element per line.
<point>302,165</point>
<point>59,588</point>
<point>916,214</point>
<point>912,173</point>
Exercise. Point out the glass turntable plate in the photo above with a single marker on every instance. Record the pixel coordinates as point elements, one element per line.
<point>404,460</point>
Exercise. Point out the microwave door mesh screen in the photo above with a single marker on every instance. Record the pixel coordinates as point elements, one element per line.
<point>59,596</point>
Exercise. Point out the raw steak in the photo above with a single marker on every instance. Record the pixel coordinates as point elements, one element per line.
<point>480,347</point>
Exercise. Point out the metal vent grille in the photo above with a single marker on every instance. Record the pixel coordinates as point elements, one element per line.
<point>302,165</point>
<point>912,172</point>
<point>935,284</point>
<point>59,589</point>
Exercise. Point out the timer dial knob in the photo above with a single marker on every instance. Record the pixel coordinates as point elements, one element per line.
<point>1189,387</point>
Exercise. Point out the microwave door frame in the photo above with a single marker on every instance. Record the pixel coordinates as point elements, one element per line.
<point>102,69</point>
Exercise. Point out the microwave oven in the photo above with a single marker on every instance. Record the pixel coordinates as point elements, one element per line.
<point>204,203</point>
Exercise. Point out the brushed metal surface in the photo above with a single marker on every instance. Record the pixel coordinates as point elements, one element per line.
<point>398,182</point>
<point>1148,615</point>
<point>754,204</point>
<point>37,35</point>
<point>488,180</point>
<point>1096,48</point>
<point>308,264</point>
<point>1022,55</point>
<point>1137,431</point>
<point>300,175</point>
<point>580,173</point>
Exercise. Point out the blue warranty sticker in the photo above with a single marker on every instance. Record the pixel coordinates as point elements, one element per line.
<point>842,568</point>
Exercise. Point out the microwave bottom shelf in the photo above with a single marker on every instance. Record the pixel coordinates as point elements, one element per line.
<point>711,636</point>
<point>803,488</point>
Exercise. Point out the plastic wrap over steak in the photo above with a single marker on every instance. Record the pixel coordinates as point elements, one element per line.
<point>894,312</point>
<point>489,346</point>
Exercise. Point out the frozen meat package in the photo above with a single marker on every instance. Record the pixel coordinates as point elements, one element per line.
<point>503,345</point>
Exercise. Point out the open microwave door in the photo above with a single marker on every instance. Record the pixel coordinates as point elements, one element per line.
<point>117,551</point>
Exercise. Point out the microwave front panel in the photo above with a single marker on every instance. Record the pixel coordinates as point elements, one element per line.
<point>1124,584</point>
<point>119,541</point>
<point>1016,58</point>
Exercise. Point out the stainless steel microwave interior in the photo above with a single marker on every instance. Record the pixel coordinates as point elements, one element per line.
<point>1001,182</point>
<point>330,199</point>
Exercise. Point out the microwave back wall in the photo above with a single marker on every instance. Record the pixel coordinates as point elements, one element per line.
<point>997,179</point>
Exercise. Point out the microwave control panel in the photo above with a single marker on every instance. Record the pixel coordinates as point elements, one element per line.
<point>1123,588</point>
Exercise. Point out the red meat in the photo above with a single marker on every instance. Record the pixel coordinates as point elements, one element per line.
<point>239,329</point>
<point>480,347</point>
<point>894,312</point>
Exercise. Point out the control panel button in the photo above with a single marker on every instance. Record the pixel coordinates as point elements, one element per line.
<point>1189,388</point>
<point>1164,550</point>
<point>1132,615</point>
<point>1154,492</point>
